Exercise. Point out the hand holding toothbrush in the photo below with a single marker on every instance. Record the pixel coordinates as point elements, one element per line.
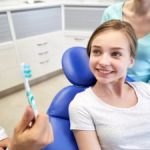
<point>35,137</point>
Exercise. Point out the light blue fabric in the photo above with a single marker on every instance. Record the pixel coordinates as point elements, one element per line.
<point>141,70</point>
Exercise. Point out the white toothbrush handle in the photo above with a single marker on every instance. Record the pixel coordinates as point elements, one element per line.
<point>30,97</point>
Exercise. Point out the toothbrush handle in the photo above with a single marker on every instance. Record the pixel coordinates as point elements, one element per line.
<point>32,102</point>
<point>26,84</point>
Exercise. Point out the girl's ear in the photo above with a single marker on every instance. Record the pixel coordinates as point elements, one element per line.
<point>131,62</point>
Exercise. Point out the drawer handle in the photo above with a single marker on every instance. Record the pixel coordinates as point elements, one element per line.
<point>44,62</point>
<point>42,44</point>
<point>43,53</point>
<point>79,39</point>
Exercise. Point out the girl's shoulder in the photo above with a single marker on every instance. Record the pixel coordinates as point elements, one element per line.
<point>83,96</point>
<point>141,87</point>
<point>139,84</point>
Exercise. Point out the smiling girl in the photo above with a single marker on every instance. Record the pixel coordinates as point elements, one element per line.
<point>113,114</point>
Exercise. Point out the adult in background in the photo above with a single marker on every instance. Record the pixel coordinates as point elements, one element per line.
<point>137,13</point>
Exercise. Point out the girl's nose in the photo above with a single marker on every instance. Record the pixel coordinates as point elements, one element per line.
<point>104,60</point>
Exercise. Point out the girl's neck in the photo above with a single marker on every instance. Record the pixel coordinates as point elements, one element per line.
<point>118,95</point>
<point>114,89</point>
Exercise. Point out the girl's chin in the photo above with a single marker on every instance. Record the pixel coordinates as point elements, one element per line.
<point>104,80</point>
<point>103,75</point>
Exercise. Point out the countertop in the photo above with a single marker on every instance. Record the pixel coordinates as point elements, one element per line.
<point>12,6</point>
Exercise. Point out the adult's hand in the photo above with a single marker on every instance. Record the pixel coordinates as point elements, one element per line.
<point>32,137</point>
<point>4,143</point>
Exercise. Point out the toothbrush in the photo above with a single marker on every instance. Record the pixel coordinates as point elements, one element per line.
<point>26,71</point>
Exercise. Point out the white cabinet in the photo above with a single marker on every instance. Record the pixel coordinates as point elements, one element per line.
<point>38,38</point>
<point>9,69</point>
<point>7,56</point>
<point>42,52</point>
<point>37,41</point>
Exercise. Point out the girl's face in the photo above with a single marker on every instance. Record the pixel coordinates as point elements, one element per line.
<point>110,56</point>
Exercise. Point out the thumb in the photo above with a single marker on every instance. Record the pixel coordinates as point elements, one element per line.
<point>27,117</point>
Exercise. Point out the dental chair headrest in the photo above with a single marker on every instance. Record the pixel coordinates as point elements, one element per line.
<point>75,63</point>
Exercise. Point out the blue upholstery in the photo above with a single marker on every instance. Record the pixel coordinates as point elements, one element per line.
<point>129,79</point>
<point>76,69</point>
<point>58,112</point>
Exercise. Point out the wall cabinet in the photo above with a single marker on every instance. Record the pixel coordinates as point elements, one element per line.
<point>5,34</point>
<point>36,21</point>
<point>81,19</point>
<point>85,18</point>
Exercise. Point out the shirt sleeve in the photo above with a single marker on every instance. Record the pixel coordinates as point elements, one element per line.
<point>3,134</point>
<point>145,87</point>
<point>80,118</point>
<point>105,16</point>
<point>112,12</point>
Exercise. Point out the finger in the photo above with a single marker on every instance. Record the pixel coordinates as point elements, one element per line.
<point>41,124</point>
<point>26,119</point>
<point>41,121</point>
<point>47,128</point>
<point>5,142</point>
<point>45,133</point>
<point>50,136</point>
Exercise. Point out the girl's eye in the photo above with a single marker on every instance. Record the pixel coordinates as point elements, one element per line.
<point>96,52</point>
<point>116,54</point>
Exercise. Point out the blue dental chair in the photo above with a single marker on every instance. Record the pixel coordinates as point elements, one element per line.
<point>76,69</point>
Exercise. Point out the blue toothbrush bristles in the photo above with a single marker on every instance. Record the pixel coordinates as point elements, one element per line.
<point>27,73</point>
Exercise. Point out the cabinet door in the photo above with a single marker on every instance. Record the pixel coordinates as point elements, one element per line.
<point>9,69</point>
<point>75,40</point>
<point>36,21</point>
<point>10,78</point>
<point>5,34</point>
<point>83,17</point>
<point>8,57</point>
<point>56,42</point>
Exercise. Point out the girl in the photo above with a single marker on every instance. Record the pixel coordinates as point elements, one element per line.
<point>113,114</point>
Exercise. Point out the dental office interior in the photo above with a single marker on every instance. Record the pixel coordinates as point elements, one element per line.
<point>38,32</point>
